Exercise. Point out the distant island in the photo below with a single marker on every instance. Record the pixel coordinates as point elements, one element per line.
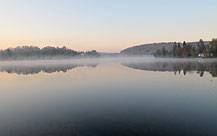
<point>33,52</point>
<point>174,49</point>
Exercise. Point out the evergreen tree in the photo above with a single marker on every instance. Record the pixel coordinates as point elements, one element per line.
<point>164,52</point>
<point>213,45</point>
<point>184,44</point>
<point>188,47</point>
<point>200,46</point>
<point>179,50</point>
<point>174,49</point>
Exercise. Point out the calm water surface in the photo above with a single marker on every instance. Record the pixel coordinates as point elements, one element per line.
<point>109,98</point>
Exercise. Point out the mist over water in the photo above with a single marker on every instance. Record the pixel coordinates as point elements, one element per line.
<point>26,67</point>
<point>121,96</point>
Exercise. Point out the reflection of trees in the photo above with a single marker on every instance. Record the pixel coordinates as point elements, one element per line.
<point>27,70</point>
<point>177,67</point>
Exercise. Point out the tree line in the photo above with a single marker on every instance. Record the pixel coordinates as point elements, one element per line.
<point>188,50</point>
<point>31,52</point>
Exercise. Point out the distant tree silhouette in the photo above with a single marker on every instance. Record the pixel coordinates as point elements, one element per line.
<point>31,52</point>
<point>213,45</point>
<point>187,50</point>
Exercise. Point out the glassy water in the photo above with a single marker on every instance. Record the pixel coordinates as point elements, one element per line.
<point>126,97</point>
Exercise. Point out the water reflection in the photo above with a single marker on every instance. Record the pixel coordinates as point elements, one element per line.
<point>35,69</point>
<point>107,100</point>
<point>177,67</point>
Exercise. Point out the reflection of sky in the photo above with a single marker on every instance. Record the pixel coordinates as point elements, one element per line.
<point>105,25</point>
<point>103,74</point>
<point>107,93</point>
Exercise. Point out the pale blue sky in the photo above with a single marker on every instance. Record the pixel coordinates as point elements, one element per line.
<point>105,25</point>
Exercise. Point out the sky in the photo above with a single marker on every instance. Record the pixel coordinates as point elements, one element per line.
<point>105,25</point>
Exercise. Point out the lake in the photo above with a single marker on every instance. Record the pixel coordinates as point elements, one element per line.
<point>109,97</point>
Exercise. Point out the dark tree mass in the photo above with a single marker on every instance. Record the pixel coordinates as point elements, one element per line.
<point>187,50</point>
<point>32,52</point>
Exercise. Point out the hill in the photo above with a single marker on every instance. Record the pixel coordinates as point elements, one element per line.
<point>149,49</point>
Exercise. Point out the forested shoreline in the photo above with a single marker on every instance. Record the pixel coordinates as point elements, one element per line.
<point>33,52</point>
<point>187,50</point>
<point>178,50</point>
